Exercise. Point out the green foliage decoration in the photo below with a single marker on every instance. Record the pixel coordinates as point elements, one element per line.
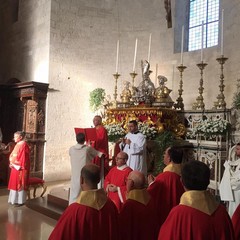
<point>96,98</point>
<point>236,96</point>
<point>164,140</point>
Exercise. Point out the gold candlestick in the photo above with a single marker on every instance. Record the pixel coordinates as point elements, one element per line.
<point>180,104</point>
<point>116,76</point>
<point>133,75</point>
<point>199,104</point>
<point>220,103</point>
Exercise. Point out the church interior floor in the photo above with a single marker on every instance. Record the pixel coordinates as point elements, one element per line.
<point>23,223</point>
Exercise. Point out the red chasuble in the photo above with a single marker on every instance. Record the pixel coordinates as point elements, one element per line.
<point>20,173</point>
<point>198,217</point>
<point>101,144</point>
<point>92,217</point>
<point>236,222</point>
<point>167,191</point>
<point>137,217</point>
<point>118,177</point>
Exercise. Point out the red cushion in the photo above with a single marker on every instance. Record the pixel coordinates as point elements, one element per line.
<point>35,180</point>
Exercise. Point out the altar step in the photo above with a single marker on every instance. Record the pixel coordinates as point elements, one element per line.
<point>53,205</point>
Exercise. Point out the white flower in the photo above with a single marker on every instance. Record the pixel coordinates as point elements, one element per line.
<point>210,128</point>
<point>149,131</point>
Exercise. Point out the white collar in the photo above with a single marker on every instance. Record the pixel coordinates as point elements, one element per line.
<point>122,167</point>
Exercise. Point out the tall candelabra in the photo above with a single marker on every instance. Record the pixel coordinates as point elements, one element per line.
<point>180,104</point>
<point>133,75</point>
<point>220,103</point>
<point>199,104</point>
<point>116,76</point>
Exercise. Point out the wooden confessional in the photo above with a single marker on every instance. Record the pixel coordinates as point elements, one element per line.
<point>23,108</point>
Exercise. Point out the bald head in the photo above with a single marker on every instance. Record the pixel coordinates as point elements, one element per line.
<point>122,155</point>
<point>136,180</point>
<point>121,159</point>
<point>90,176</point>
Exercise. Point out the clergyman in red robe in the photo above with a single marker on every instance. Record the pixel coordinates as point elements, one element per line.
<point>93,216</point>
<point>198,216</point>
<point>167,188</point>
<point>236,222</point>
<point>137,218</point>
<point>101,144</point>
<point>20,167</point>
<point>115,181</point>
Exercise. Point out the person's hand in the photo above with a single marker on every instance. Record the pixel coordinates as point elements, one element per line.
<point>151,178</point>
<point>128,141</point>
<point>112,188</point>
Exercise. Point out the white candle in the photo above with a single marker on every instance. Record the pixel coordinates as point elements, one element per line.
<point>156,75</point>
<point>117,58</point>
<point>149,47</point>
<point>222,33</point>
<point>135,55</point>
<point>182,44</point>
<point>202,41</point>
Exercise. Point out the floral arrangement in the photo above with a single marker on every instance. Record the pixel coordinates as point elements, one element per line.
<point>115,131</point>
<point>210,128</point>
<point>148,130</point>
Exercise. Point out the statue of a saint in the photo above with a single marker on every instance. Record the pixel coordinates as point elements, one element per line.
<point>162,92</point>
<point>146,87</point>
<point>126,93</point>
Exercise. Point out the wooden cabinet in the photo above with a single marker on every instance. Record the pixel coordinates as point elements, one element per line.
<point>23,108</point>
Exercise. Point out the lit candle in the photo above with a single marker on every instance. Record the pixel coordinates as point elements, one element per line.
<point>149,47</point>
<point>222,33</point>
<point>135,55</point>
<point>202,41</point>
<point>117,58</point>
<point>182,45</point>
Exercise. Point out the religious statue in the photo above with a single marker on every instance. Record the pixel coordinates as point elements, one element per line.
<point>126,93</point>
<point>145,90</point>
<point>161,94</point>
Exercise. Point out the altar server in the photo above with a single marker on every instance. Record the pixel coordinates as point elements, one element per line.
<point>134,144</point>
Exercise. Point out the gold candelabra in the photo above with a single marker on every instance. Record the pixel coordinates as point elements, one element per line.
<point>180,104</point>
<point>116,76</point>
<point>220,103</point>
<point>199,104</point>
<point>133,75</point>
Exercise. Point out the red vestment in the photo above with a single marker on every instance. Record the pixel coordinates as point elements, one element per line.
<point>92,217</point>
<point>101,145</point>
<point>117,177</point>
<point>20,157</point>
<point>166,191</point>
<point>137,217</point>
<point>198,217</point>
<point>236,222</point>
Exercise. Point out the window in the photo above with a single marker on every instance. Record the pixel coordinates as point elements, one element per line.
<point>206,11</point>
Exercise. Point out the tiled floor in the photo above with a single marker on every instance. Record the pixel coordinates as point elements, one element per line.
<point>22,223</point>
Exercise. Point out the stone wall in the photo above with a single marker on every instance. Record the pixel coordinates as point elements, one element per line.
<point>25,42</point>
<point>72,45</point>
